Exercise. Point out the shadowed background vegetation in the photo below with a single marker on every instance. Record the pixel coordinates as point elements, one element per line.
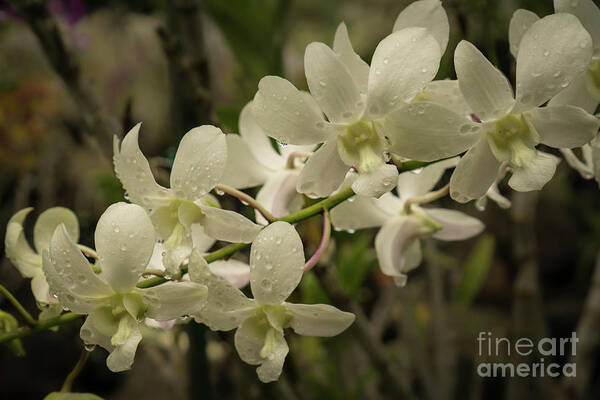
<point>73,73</point>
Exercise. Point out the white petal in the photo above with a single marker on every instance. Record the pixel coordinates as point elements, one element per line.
<point>200,239</point>
<point>394,245</point>
<point>233,271</point>
<point>226,306</point>
<point>242,170</point>
<point>283,112</point>
<point>51,310</point>
<point>18,250</point>
<point>41,289</point>
<point>331,84</point>
<point>445,93</point>
<point>357,67</point>
<point>92,336</point>
<point>257,139</point>
<point>199,163</point>
<point>411,184</point>
<point>563,126</point>
<point>318,319</point>
<point>402,65</point>
<point>323,173</point>
<point>427,14</point>
<point>455,224</point>
<point>535,174</point>
<point>250,339</point>
<point>587,12</point>
<point>377,182</point>
<point>485,88</point>
<point>474,174</point>
<point>134,172</point>
<point>279,196</point>
<point>228,225</point>
<point>429,131</point>
<point>121,358</point>
<point>172,300</point>
<point>520,22</point>
<point>553,52</point>
<point>276,263</point>
<point>71,277</point>
<point>124,241</point>
<point>48,221</point>
<point>359,212</point>
<point>577,94</point>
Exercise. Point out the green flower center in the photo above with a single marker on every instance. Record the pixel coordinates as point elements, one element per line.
<point>512,140</point>
<point>362,146</point>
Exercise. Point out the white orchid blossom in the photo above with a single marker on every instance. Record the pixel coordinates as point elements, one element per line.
<point>355,98</point>
<point>398,243</point>
<point>29,261</point>
<point>276,267</point>
<point>553,51</point>
<point>584,92</point>
<point>176,212</point>
<point>124,241</point>
<point>252,161</point>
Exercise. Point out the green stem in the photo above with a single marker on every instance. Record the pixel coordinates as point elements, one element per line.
<point>24,313</point>
<point>314,209</point>
<point>40,326</point>
<point>66,387</point>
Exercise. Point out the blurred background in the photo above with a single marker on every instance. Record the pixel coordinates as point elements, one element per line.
<point>73,73</point>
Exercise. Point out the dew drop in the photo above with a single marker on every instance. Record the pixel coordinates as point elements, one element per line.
<point>266,284</point>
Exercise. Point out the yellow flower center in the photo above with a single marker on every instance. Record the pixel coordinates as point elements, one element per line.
<point>361,146</point>
<point>512,140</point>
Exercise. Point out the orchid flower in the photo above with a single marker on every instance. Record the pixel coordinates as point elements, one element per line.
<point>113,304</point>
<point>397,243</point>
<point>355,98</point>
<point>276,266</point>
<point>29,261</point>
<point>584,91</point>
<point>176,212</point>
<point>553,51</point>
<point>252,161</point>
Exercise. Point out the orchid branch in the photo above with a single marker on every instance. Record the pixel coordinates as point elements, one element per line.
<point>323,244</point>
<point>227,251</point>
<point>246,199</point>
<point>18,306</point>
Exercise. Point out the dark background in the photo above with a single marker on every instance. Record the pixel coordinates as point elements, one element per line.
<point>177,64</point>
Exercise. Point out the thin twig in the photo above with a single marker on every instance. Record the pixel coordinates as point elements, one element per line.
<point>426,198</point>
<point>246,199</point>
<point>66,387</point>
<point>323,244</point>
<point>24,313</point>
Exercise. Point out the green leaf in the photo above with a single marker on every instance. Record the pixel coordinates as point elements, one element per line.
<point>354,259</point>
<point>255,33</point>
<point>475,271</point>
<point>311,290</point>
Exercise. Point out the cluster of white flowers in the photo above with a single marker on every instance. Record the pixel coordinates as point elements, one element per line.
<point>354,129</point>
